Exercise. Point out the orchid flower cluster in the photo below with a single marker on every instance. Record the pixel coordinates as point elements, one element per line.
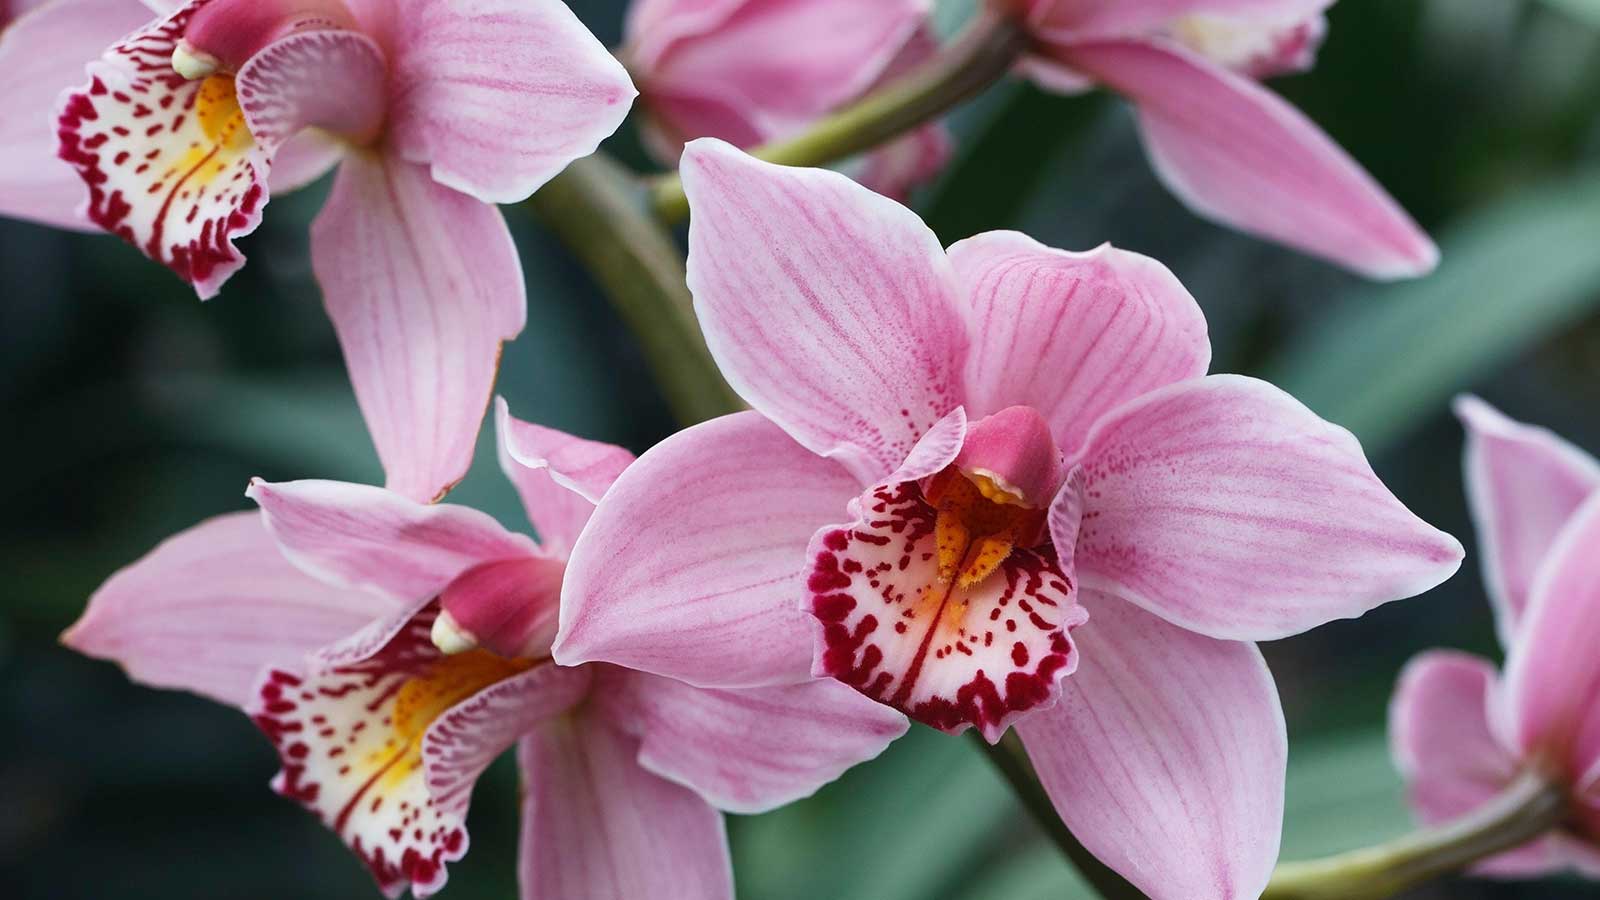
<point>992,486</point>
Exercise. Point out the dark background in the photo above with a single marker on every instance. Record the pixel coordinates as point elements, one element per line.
<point>134,411</point>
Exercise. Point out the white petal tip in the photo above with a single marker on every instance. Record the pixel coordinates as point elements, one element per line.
<point>192,63</point>
<point>449,637</point>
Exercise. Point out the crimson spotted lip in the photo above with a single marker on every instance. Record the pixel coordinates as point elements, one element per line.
<point>945,598</point>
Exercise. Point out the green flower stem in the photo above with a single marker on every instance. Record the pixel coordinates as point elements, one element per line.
<point>1528,808</point>
<point>599,212</point>
<point>1011,760</point>
<point>978,57</point>
<point>1531,806</point>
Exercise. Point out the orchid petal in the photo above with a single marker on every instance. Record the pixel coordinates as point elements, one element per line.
<point>463,741</point>
<point>949,655</point>
<point>423,285</point>
<point>1166,756</point>
<point>207,609</point>
<point>935,450</point>
<point>1441,736</point>
<point>363,537</point>
<point>42,54</point>
<point>1113,18</point>
<point>1523,484</point>
<point>353,742</point>
<point>692,567</point>
<point>559,477</point>
<point>651,27</point>
<point>787,62</point>
<point>1073,335</point>
<point>750,750</point>
<point>330,79</point>
<point>500,95</point>
<point>1226,507</point>
<point>596,824</point>
<point>1553,671</point>
<point>1237,153</point>
<point>828,308</point>
<point>901,166</point>
<point>169,163</point>
<point>303,159</point>
<point>1444,744</point>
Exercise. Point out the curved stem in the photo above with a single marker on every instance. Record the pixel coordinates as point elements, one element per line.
<point>977,58</point>
<point>598,212</point>
<point>1011,760</point>
<point>1528,808</point>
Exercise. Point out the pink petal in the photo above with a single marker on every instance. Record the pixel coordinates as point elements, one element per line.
<point>1445,746</point>
<point>42,54</point>
<point>692,567</point>
<point>1124,17</point>
<point>935,450</point>
<point>1226,507</point>
<point>829,309</point>
<point>1166,756</point>
<point>1237,153</point>
<point>1553,671</point>
<point>559,477</point>
<point>785,62</point>
<point>207,609</point>
<point>750,750</point>
<point>303,159</point>
<point>903,165</point>
<point>367,538</point>
<point>423,285</point>
<point>499,95</point>
<point>596,824</point>
<point>1523,484</point>
<point>169,168</point>
<point>651,27</point>
<point>314,79</point>
<point>1074,335</point>
<point>462,742</point>
<point>355,743</point>
<point>948,656</point>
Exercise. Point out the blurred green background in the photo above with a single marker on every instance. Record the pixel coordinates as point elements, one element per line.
<point>136,411</point>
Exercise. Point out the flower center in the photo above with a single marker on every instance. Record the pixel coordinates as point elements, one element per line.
<point>978,521</point>
<point>1258,48</point>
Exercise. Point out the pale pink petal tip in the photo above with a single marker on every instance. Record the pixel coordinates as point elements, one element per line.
<point>1225,506</point>
<point>209,607</point>
<point>794,271</point>
<point>496,98</point>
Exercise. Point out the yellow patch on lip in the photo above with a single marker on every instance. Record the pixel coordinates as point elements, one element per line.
<point>426,696</point>
<point>216,109</point>
<point>978,522</point>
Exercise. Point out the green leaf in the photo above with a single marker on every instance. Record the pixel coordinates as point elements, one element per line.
<point>1511,276</point>
<point>1584,10</point>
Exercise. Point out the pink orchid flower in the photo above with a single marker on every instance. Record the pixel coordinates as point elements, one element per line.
<point>969,474</point>
<point>435,110</point>
<point>754,71</point>
<point>391,650</point>
<point>1229,148</point>
<point>1461,732</point>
